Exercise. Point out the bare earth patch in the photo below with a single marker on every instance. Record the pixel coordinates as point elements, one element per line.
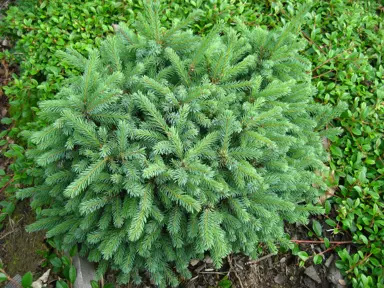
<point>18,248</point>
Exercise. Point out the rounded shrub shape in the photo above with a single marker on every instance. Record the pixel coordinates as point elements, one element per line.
<point>170,146</point>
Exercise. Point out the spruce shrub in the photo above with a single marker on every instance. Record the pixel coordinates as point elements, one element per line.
<point>171,145</point>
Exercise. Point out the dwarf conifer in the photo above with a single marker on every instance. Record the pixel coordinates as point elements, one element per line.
<point>171,145</point>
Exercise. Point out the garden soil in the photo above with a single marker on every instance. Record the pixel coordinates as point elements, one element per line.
<point>269,271</point>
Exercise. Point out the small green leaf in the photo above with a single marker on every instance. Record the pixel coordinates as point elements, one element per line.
<point>356,131</point>
<point>363,175</point>
<point>370,161</point>
<point>225,283</point>
<point>328,207</point>
<point>374,261</point>
<point>317,259</point>
<point>3,277</point>
<point>72,274</point>
<point>317,228</point>
<point>363,238</point>
<point>61,284</point>
<point>73,251</point>
<point>27,280</point>
<point>65,259</point>
<point>327,243</point>
<point>60,42</point>
<point>56,262</point>
<point>336,151</point>
<point>6,121</point>
<point>303,255</point>
<point>330,222</point>
<point>94,284</point>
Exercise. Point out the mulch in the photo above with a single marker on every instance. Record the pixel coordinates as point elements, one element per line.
<point>268,271</point>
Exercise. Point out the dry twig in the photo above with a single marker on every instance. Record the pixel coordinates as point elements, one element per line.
<point>234,271</point>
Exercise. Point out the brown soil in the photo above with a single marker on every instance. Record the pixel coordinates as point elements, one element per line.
<point>18,248</point>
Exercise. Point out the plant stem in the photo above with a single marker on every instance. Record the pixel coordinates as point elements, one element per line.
<point>359,263</point>
<point>11,279</point>
<point>320,242</point>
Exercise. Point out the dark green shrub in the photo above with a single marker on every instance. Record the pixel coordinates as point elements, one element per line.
<point>172,145</point>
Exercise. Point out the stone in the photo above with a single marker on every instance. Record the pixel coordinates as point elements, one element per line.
<point>194,262</point>
<point>199,268</point>
<point>309,283</point>
<point>5,43</point>
<point>208,260</point>
<point>312,273</point>
<point>3,110</point>
<point>334,276</point>
<point>42,281</point>
<point>280,278</point>
<point>329,261</point>
<point>282,260</point>
<point>85,272</point>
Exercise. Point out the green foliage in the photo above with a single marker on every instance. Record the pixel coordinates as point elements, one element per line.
<point>7,209</point>
<point>40,29</point>
<point>172,145</point>
<point>354,73</point>
<point>225,283</point>
<point>60,263</point>
<point>19,172</point>
<point>27,280</point>
<point>345,47</point>
<point>95,284</point>
<point>43,27</point>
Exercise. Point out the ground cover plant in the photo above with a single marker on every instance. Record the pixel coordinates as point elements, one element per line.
<point>345,44</point>
<point>348,67</point>
<point>172,145</point>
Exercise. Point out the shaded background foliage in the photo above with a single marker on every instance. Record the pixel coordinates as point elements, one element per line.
<point>345,45</point>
